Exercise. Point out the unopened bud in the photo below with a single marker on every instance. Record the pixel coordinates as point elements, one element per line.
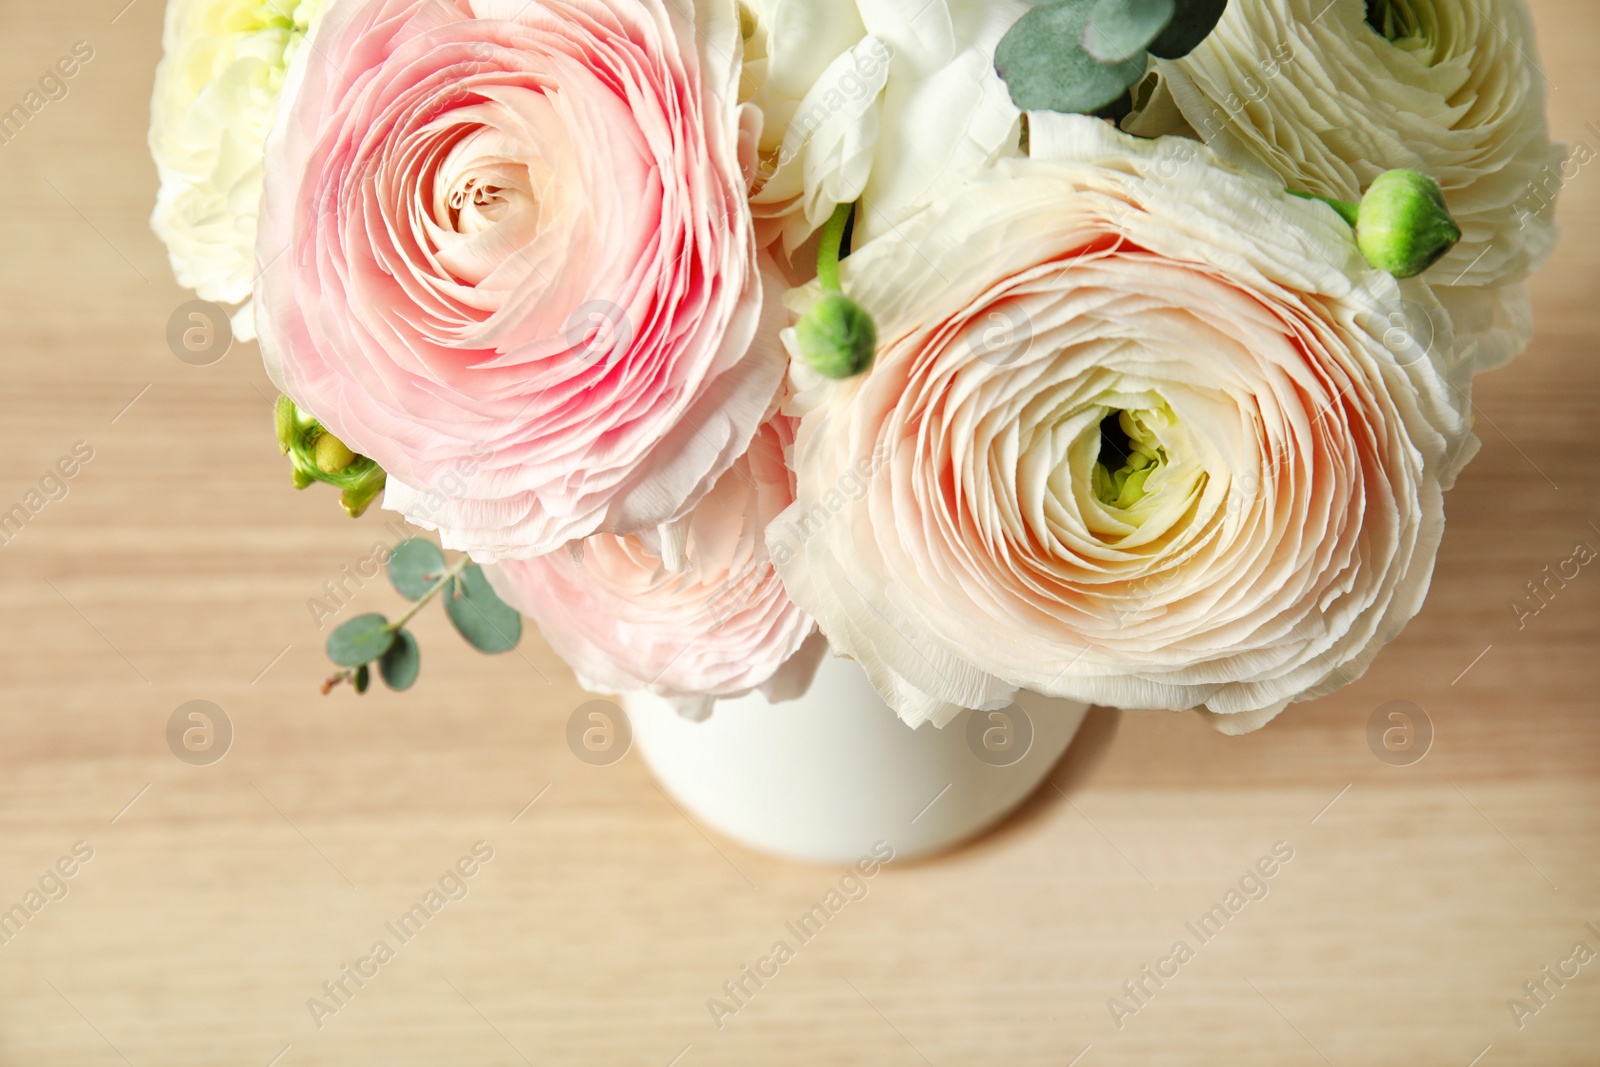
<point>331,454</point>
<point>1403,225</point>
<point>315,455</point>
<point>837,338</point>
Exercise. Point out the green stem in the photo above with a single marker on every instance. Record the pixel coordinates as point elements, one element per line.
<point>828,251</point>
<point>445,577</point>
<point>1345,208</point>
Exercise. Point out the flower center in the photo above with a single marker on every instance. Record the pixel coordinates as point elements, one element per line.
<point>482,200</point>
<point>486,208</point>
<point>1130,453</point>
<point>1408,24</point>
<point>484,184</point>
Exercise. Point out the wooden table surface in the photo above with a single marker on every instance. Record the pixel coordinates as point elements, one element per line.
<point>220,898</point>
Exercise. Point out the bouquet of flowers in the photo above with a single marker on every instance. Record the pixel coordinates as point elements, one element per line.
<point>1118,350</point>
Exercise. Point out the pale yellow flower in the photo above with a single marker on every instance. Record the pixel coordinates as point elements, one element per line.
<point>1328,101</point>
<point>216,94</point>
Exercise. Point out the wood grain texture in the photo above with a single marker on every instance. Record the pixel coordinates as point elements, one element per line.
<point>178,567</point>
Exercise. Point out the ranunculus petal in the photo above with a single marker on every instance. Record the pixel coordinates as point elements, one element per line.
<point>871,102</point>
<point>626,618</point>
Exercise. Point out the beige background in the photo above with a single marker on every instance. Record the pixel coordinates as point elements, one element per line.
<point>224,896</point>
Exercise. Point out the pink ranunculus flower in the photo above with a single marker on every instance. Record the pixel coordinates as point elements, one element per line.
<point>505,251</point>
<point>714,623</point>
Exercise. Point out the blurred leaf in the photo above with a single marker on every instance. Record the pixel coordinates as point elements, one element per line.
<point>1193,23</point>
<point>1117,110</point>
<point>479,616</point>
<point>400,664</point>
<point>361,640</point>
<point>1121,30</point>
<point>1045,68</point>
<point>414,566</point>
<point>362,679</point>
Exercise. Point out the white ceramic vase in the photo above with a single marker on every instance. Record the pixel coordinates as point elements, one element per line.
<point>825,777</point>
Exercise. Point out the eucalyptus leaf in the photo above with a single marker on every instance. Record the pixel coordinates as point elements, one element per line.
<point>1193,23</point>
<point>362,679</point>
<point>1121,30</point>
<point>478,615</point>
<point>400,664</point>
<point>414,566</point>
<point>361,640</point>
<point>1045,68</point>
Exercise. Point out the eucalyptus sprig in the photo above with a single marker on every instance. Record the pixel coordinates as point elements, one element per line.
<point>418,571</point>
<point>1082,56</point>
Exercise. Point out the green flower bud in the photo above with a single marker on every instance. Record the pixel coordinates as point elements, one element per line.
<point>332,455</point>
<point>315,455</point>
<point>1403,225</point>
<point>837,337</point>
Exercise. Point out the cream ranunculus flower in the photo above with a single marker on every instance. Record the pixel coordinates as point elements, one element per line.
<point>871,101</point>
<point>216,94</point>
<point>1331,94</point>
<point>1133,436</point>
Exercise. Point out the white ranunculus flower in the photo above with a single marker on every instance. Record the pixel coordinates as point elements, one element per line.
<point>1328,101</point>
<point>873,101</point>
<point>1140,431</point>
<point>216,94</point>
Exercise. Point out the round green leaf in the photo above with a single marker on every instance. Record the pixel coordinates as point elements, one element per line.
<point>1121,30</point>
<point>414,566</point>
<point>361,640</point>
<point>1045,68</point>
<point>362,679</point>
<point>400,664</point>
<point>1191,24</point>
<point>480,616</point>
